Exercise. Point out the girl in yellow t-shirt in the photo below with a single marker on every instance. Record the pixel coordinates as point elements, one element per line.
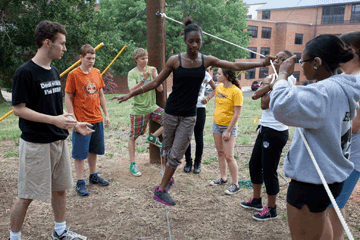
<point>229,99</point>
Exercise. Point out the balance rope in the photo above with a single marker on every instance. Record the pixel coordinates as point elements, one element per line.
<point>166,211</point>
<point>332,199</point>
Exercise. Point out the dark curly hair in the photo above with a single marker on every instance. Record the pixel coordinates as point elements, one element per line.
<point>47,30</point>
<point>191,26</point>
<point>231,76</point>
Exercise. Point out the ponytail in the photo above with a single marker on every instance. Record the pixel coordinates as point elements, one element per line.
<point>231,76</point>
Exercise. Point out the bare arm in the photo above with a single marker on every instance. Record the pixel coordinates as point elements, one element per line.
<point>265,99</point>
<point>236,66</point>
<point>68,103</point>
<point>234,119</point>
<point>169,67</point>
<point>356,122</point>
<point>211,95</point>
<point>103,106</point>
<point>61,121</point>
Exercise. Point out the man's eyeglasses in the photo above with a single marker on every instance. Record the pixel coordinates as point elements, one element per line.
<point>301,62</point>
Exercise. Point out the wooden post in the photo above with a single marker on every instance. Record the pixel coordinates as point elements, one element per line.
<point>156,41</point>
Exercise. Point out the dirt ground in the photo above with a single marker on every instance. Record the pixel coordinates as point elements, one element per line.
<point>126,210</point>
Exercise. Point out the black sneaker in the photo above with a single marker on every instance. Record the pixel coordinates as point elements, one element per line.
<point>170,184</point>
<point>163,197</point>
<point>188,167</point>
<point>218,182</point>
<point>232,189</point>
<point>253,203</point>
<point>95,179</point>
<point>197,168</point>
<point>267,214</point>
<point>81,189</point>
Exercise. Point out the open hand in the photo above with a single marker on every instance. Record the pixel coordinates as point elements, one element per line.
<point>83,128</point>
<point>122,98</point>
<point>288,65</point>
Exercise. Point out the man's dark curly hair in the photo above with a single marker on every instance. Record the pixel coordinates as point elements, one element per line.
<point>47,30</point>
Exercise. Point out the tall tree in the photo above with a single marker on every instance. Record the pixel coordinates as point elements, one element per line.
<point>224,19</point>
<point>18,21</point>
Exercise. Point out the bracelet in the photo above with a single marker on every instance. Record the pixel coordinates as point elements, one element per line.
<point>142,79</point>
<point>142,89</point>
<point>264,63</point>
<point>284,73</point>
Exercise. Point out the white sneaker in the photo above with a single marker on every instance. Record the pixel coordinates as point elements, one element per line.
<point>135,170</point>
<point>67,235</point>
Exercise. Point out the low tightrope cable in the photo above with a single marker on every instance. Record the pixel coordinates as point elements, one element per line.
<point>167,215</point>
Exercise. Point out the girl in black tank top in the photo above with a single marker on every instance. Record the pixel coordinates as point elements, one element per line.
<point>180,110</point>
<point>186,85</point>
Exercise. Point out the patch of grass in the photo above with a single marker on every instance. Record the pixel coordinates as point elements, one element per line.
<point>210,161</point>
<point>110,155</point>
<point>140,149</point>
<point>11,153</point>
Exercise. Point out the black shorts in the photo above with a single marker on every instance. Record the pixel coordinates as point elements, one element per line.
<point>312,195</point>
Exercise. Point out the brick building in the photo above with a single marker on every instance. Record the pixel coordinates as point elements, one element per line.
<point>290,25</point>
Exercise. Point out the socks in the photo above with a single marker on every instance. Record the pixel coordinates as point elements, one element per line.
<point>15,236</point>
<point>60,228</point>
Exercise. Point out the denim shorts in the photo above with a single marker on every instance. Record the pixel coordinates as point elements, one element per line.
<point>218,129</point>
<point>348,188</point>
<point>92,143</point>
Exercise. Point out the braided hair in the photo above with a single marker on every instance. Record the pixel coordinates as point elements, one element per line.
<point>231,76</point>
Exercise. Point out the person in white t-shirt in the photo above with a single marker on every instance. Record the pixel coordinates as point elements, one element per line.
<point>199,126</point>
<point>266,154</point>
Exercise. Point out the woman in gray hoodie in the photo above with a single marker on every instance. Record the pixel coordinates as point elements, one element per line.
<point>322,112</point>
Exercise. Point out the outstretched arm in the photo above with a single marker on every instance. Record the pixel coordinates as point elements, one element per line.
<point>169,67</point>
<point>236,66</point>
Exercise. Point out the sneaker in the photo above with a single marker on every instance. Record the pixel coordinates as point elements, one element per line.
<point>188,167</point>
<point>163,197</point>
<point>81,189</point>
<point>154,140</point>
<point>197,168</point>
<point>67,235</point>
<point>218,182</point>
<point>95,179</point>
<point>170,184</point>
<point>135,170</point>
<point>267,214</point>
<point>253,203</point>
<point>232,189</point>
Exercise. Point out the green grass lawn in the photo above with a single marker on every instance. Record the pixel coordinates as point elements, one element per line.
<point>120,120</point>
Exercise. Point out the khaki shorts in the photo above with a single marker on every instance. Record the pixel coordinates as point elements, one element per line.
<point>44,167</point>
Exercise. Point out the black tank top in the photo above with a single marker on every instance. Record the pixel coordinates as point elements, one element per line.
<point>185,90</point>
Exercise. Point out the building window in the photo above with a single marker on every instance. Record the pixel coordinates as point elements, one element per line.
<point>252,55</point>
<point>296,74</point>
<point>355,13</point>
<point>298,38</point>
<point>250,74</point>
<point>266,15</point>
<point>298,57</point>
<point>333,14</point>
<point>254,31</point>
<point>249,16</point>
<point>263,72</point>
<point>239,76</point>
<point>266,32</point>
<point>265,51</point>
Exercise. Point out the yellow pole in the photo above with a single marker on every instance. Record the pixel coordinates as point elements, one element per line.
<point>72,66</point>
<point>3,117</point>
<point>239,74</point>
<point>113,60</point>
<point>62,74</point>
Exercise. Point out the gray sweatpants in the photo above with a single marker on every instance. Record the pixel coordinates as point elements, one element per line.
<point>176,137</point>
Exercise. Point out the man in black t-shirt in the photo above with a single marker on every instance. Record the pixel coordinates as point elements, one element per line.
<point>44,169</point>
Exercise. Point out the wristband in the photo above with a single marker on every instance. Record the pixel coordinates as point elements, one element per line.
<point>143,80</point>
<point>264,63</point>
